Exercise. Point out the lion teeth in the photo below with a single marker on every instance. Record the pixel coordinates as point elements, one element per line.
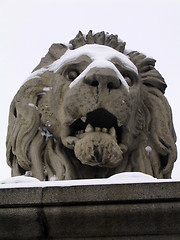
<point>112,132</point>
<point>97,129</point>
<point>83,119</point>
<point>79,132</point>
<point>119,123</point>
<point>89,128</point>
<point>104,130</point>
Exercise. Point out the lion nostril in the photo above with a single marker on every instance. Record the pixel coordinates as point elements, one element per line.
<point>110,85</point>
<point>103,80</point>
<point>113,85</point>
<point>95,83</point>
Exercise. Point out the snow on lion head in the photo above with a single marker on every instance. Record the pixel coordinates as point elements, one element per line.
<point>89,110</point>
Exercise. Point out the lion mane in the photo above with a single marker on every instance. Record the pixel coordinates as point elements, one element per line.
<point>35,145</point>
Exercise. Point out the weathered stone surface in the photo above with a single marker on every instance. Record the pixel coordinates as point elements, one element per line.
<point>91,110</point>
<point>122,211</point>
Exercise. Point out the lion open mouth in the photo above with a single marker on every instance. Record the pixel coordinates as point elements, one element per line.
<point>99,120</point>
<point>96,139</point>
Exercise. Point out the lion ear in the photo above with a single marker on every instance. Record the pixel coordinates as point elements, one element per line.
<point>55,52</point>
<point>151,77</point>
<point>154,82</point>
<point>147,72</point>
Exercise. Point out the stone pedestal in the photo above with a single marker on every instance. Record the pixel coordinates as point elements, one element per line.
<point>122,211</point>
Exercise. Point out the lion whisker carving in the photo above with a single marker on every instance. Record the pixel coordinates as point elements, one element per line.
<point>91,109</point>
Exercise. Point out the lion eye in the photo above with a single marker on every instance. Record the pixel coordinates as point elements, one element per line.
<point>128,80</point>
<point>71,75</point>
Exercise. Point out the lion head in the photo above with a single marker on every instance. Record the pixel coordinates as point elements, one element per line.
<point>89,110</point>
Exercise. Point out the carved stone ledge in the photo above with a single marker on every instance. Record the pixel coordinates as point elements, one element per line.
<point>119,211</point>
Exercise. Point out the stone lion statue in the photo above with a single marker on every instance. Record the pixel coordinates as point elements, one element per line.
<point>91,109</point>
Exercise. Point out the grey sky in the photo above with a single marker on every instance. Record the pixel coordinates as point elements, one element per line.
<point>28,28</point>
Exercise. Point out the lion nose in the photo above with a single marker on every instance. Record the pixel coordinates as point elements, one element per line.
<point>105,78</point>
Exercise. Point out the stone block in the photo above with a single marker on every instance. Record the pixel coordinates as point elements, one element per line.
<point>117,211</point>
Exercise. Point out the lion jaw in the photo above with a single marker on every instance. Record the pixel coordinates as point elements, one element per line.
<point>96,142</point>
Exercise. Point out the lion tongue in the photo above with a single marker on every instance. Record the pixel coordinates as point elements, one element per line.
<point>98,149</point>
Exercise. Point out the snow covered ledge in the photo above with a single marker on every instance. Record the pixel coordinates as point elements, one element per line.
<point>125,206</point>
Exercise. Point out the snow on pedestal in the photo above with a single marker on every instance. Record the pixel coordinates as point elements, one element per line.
<point>120,178</point>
